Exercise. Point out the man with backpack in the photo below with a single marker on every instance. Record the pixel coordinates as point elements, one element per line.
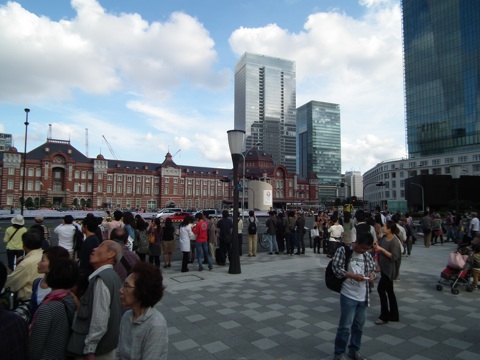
<point>252,234</point>
<point>356,267</point>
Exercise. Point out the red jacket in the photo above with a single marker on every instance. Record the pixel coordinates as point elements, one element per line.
<point>201,230</point>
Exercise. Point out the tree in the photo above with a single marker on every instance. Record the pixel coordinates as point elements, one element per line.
<point>29,203</point>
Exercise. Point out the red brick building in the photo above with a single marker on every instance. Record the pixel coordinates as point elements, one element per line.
<point>58,175</point>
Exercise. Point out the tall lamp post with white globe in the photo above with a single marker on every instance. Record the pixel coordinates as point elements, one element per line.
<point>236,140</point>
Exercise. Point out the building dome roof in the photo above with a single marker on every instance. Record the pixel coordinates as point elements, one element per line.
<point>257,154</point>
<point>100,157</point>
<point>13,149</point>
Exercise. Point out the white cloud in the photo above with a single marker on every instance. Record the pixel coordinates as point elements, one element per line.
<point>99,53</point>
<point>356,63</point>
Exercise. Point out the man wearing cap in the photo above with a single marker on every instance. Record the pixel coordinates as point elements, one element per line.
<point>46,231</point>
<point>13,239</point>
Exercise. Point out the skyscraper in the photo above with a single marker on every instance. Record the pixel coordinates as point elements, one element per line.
<point>5,142</point>
<point>441,40</point>
<point>319,147</point>
<point>265,103</point>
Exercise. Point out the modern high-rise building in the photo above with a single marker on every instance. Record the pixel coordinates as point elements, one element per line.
<point>265,104</point>
<point>354,183</point>
<point>5,142</point>
<point>319,145</point>
<point>441,40</point>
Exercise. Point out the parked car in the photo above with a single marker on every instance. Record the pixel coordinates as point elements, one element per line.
<point>177,217</point>
<point>168,211</point>
<point>209,212</point>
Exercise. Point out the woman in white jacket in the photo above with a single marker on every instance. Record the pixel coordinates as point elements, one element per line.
<point>185,235</point>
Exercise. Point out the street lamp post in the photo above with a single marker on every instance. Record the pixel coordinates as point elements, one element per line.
<point>423,195</point>
<point>236,140</point>
<point>381,183</point>
<point>456,172</point>
<point>24,161</point>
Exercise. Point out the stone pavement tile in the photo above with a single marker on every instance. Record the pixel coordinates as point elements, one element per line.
<point>389,339</point>
<point>185,344</point>
<point>459,344</point>
<point>467,355</point>
<point>268,332</point>
<point>382,356</point>
<point>264,344</point>
<point>423,341</point>
<point>215,347</point>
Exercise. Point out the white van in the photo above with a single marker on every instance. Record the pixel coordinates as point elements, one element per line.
<point>167,211</point>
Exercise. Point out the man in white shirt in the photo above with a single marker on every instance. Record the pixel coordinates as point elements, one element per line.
<point>474,225</point>
<point>65,232</point>
<point>360,218</point>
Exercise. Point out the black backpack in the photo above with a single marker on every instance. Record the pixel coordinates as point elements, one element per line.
<point>252,227</point>
<point>331,280</point>
<point>77,240</point>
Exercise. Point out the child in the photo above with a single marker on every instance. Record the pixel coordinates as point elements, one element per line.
<point>475,264</point>
<point>315,234</point>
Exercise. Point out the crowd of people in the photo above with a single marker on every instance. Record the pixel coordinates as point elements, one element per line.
<point>367,245</point>
<point>90,300</point>
<point>94,298</point>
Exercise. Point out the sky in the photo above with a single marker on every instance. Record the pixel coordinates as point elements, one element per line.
<point>158,76</point>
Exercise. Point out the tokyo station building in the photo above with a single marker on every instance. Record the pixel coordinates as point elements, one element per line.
<point>58,175</point>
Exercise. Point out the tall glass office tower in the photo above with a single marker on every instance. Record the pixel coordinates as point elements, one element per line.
<point>265,102</point>
<point>319,145</point>
<point>441,40</point>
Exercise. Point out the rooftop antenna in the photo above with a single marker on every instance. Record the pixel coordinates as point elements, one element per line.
<point>86,141</point>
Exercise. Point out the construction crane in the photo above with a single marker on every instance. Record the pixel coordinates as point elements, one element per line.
<point>176,152</point>
<point>114,155</point>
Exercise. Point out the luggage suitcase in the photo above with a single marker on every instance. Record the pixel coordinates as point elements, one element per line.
<point>219,256</point>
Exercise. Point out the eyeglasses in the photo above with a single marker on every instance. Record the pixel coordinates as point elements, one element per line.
<point>126,286</point>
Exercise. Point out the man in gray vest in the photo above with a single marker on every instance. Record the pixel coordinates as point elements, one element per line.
<point>97,322</point>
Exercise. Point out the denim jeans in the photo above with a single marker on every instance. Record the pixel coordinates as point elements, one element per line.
<point>203,246</point>
<point>352,319</point>
<point>272,239</point>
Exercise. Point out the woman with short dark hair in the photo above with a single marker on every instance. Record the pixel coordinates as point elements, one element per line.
<point>40,288</point>
<point>143,330</point>
<point>50,328</point>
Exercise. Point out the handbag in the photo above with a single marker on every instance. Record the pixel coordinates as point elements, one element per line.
<point>151,238</point>
<point>402,249</point>
<point>8,299</point>
<point>457,261</point>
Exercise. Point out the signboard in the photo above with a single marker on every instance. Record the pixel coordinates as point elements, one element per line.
<point>267,198</point>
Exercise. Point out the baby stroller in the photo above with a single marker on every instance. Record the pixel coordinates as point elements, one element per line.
<point>458,271</point>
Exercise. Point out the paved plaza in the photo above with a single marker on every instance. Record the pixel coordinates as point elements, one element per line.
<point>279,308</point>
